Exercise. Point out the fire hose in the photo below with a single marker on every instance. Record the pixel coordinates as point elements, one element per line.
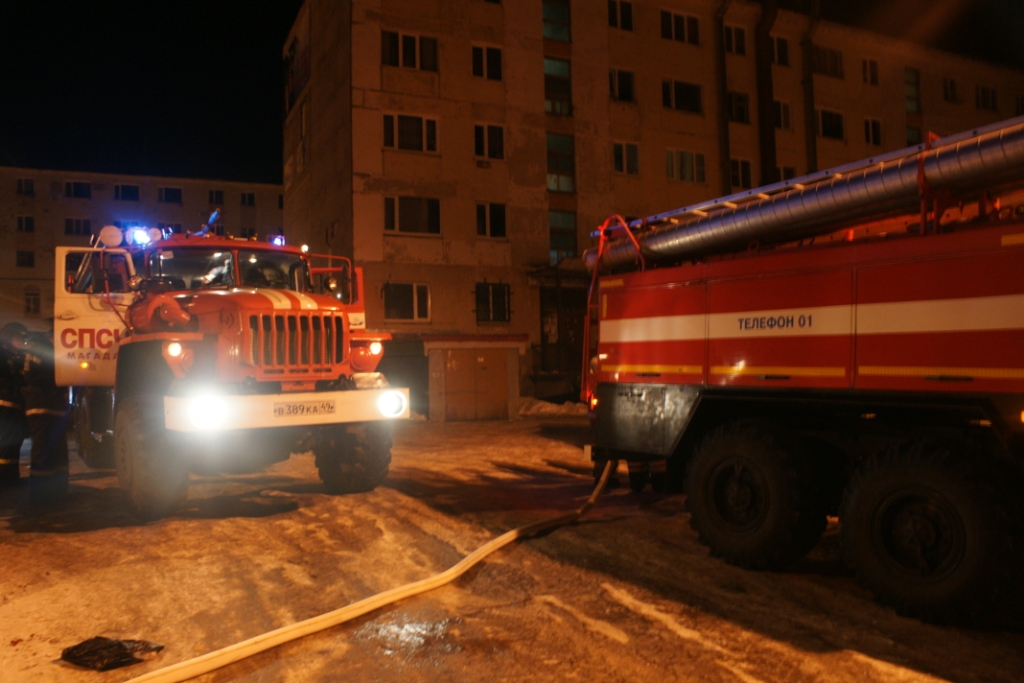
<point>191,668</point>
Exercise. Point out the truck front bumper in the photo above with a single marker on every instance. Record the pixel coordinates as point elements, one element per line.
<point>218,412</point>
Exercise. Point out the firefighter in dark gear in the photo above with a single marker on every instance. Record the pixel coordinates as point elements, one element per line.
<point>47,412</point>
<point>12,407</point>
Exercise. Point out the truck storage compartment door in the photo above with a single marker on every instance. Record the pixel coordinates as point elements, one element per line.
<point>943,323</point>
<point>88,285</point>
<point>781,330</point>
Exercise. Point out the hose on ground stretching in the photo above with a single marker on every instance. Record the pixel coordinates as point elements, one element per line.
<point>183,671</point>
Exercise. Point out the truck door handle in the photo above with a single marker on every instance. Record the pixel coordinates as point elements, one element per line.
<point>67,315</point>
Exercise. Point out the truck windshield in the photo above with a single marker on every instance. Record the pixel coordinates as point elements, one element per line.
<point>273,269</point>
<point>193,268</point>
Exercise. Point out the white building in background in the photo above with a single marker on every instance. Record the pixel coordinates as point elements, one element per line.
<point>42,209</point>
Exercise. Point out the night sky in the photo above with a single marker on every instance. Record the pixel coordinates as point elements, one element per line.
<point>193,89</point>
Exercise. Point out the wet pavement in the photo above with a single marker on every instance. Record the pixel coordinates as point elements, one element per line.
<point>627,594</point>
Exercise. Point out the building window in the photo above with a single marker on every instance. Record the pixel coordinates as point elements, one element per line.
<point>26,224</point>
<point>248,199</point>
<point>169,195</point>
<point>826,61</point>
<point>562,232</point>
<point>217,197</point>
<point>25,259</point>
<point>873,132</point>
<point>413,133</point>
<point>735,40</point>
<point>126,193</point>
<point>912,90</point>
<point>985,98</point>
<point>408,51</point>
<point>681,96</point>
<point>78,190</point>
<point>869,71</point>
<point>620,14</point>
<point>412,214</point>
<point>26,187</point>
<point>739,107</point>
<point>406,301</point>
<point>683,165</point>
<point>77,226</point>
<point>487,62</point>
<point>786,172</point>
<point>782,119</point>
<point>914,136</point>
<point>739,173</point>
<point>490,220</point>
<point>557,87</point>
<point>621,84</point>
<point>830,124</point>
<point>625,158</point>
<point>949,90</point>
<point>489,141</point>
<point>780,51</point>
<point>685,29</point>
<point>176,229</point>
<point>561,163</point>
<point>32,302</point>
<point>556,20</point>
<point>492,302</point>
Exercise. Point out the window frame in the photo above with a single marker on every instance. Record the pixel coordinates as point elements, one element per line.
<point>415,289</point>
<point>681,28</point>
<point>912,90</point>
<point>827,61</point>
<point>161,195</point>
<point>820,115</point>
<point>949,90</point>
<point>428,133</point>
<point>216,197</point>
<point>615,84</point>
<point>398,57</point>
<point>484,63</point>
<point>873,132</point>
<point>623,162</point>
<point>25,258</point>
<point>617,15</point>
<point>670,89</point>
<point>393,211</point>
<point>869,71</point>
<point>77,189</point>
<point>502,290</point>
<point>551,104</point>
<point>735,39</point>
<point>738,105</point>
<point>557,249</point>
<point>782,115</point>
<point>556,28</point>
<point>780,57</point>
<point>486,213</point>
<point>26,224</point>
<point>26,187</point>
<point>78,227</point>
<point>484,139</point>
<point>986,98</point>
<point>557,168</point>
<point>695,165</point>
<point>741,174</point>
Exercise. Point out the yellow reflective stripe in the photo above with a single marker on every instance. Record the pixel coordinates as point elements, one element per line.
<point>663,369</point>
<point>791,371</point>
<point>7,462</point>
<point>1010,240</point>
<point>920,371</point>
<point>45,411</point>
<point>612,283</point>
<point>9,404</point>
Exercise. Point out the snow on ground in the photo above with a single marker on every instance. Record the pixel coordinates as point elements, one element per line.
<point>531,406</point>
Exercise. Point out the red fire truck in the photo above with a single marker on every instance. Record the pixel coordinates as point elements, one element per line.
<point>210,353</point>
<point>847,343</point>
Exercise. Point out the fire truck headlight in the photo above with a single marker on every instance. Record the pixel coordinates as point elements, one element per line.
<point>376,348</point>
<point>391,403</point>
<point>174,349</point>
<point>207,411</point>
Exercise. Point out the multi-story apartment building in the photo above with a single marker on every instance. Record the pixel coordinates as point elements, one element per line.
<point>43,209</point>
<point>463,151</point>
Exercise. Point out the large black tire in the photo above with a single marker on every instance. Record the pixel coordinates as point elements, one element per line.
<point>153,476</point>
<point>97,453</point>
<point>753,496</point>
<point>353,458</point>
<point>927,528</point>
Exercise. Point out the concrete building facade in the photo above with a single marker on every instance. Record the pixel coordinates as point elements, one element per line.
<point>44,209</point>
<point>462,151</point>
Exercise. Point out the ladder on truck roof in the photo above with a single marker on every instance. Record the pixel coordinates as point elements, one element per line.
<point>820,202</point>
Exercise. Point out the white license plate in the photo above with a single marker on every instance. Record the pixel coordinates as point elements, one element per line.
<point>304,408</point>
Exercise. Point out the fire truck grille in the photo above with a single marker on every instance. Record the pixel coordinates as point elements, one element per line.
<point>296,340</point>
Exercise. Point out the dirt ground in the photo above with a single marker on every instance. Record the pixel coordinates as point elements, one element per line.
<point>627,594</point>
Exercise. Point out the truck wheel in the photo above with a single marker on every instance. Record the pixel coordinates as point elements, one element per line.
<point>97,454</point>
<point>926,528</point>
<point>752,496</point>
<point>353,458</point>
<point>153,478</point>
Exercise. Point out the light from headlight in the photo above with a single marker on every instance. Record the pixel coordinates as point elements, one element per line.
<point>207,412</point>
<point>376,347</point>
<point>174,349</point>
<point>391,403</point>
